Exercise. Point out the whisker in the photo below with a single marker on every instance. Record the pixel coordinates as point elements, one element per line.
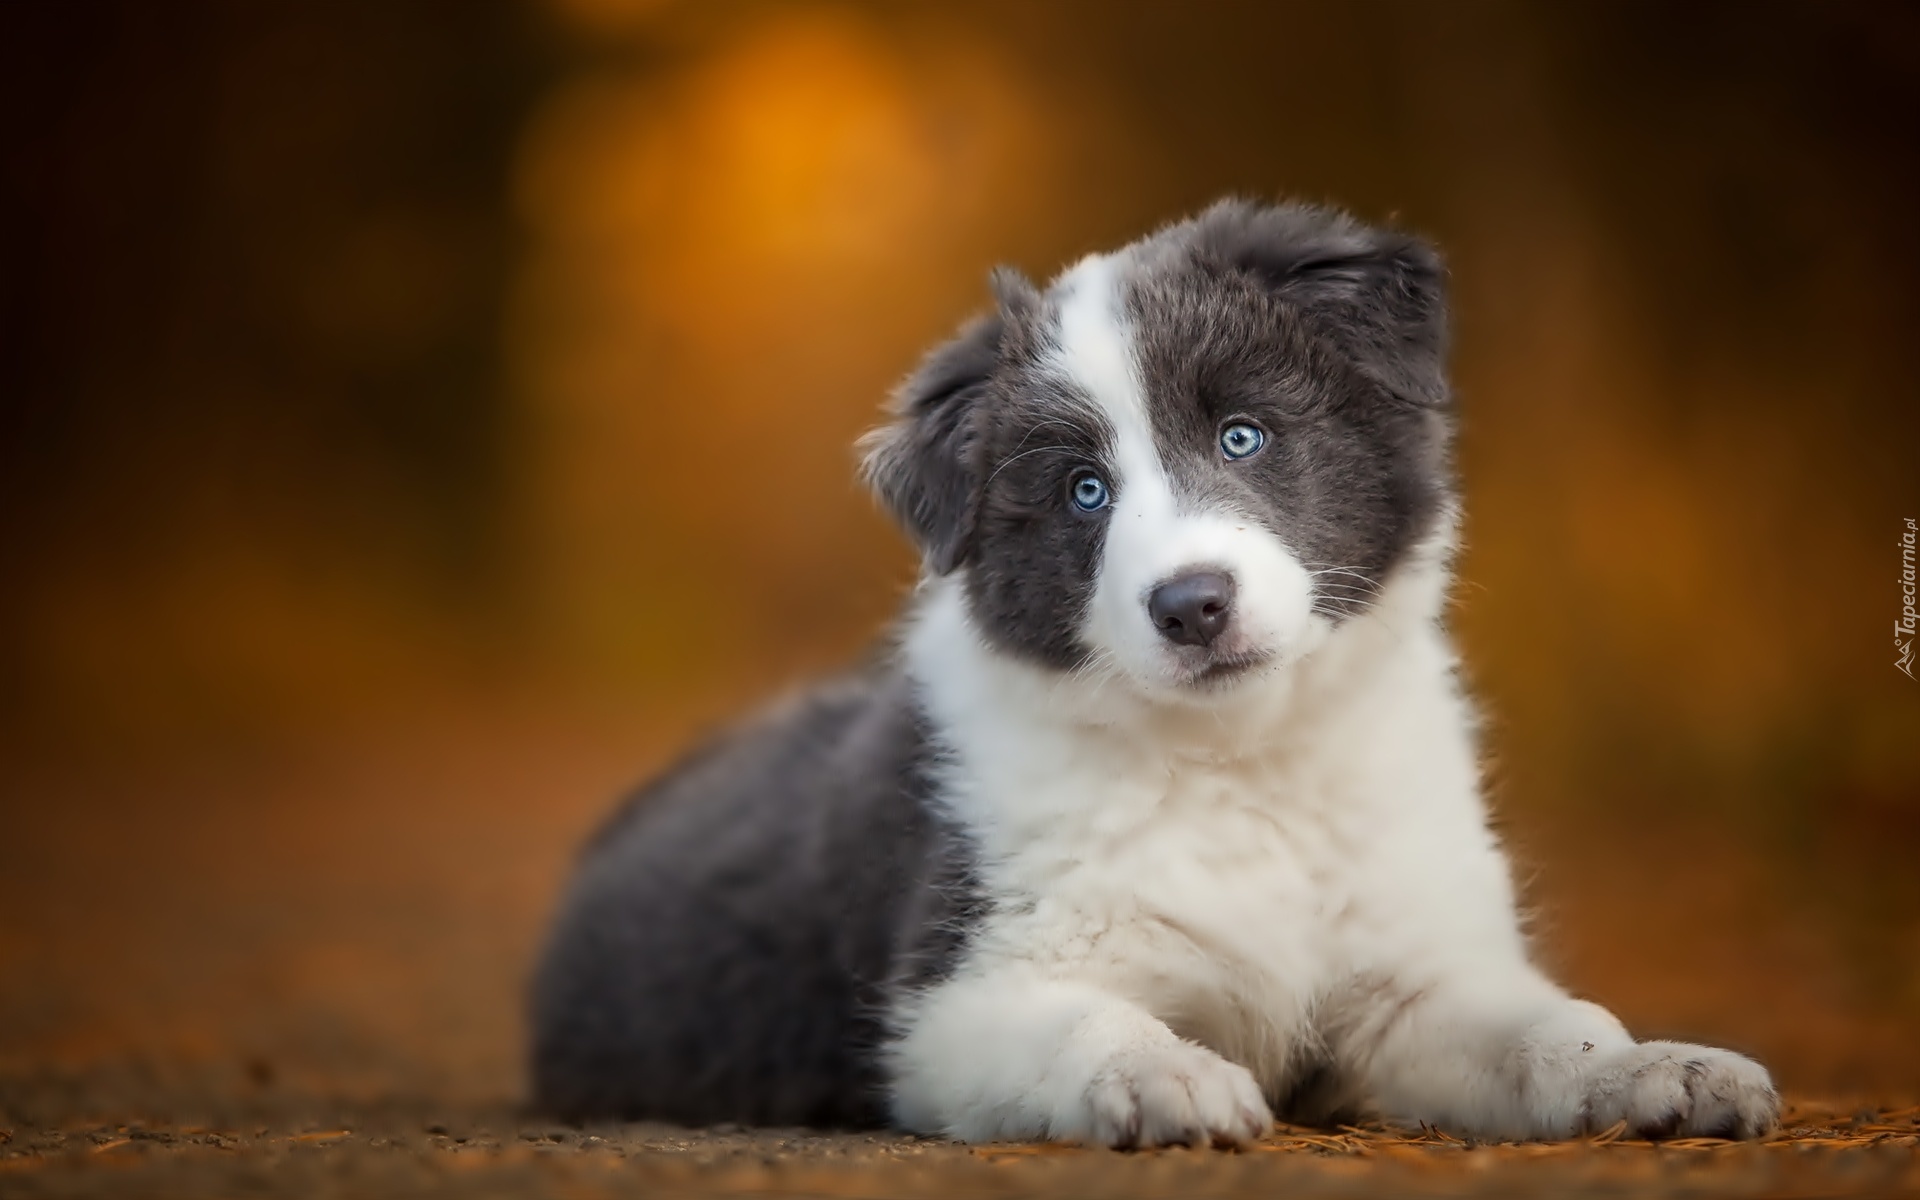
<point>1351,580</point>
<point>1343,571</point>
<point>1005,463</point>
<point>1100,663</point>
<point>1036,427</point>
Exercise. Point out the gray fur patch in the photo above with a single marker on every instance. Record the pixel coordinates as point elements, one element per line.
<point>726,949</point>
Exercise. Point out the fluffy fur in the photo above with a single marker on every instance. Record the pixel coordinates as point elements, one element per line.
<point>1047,870</point>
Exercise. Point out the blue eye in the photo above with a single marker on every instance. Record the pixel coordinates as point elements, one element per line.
<point>1238,441</point>
<point>1090,493</point>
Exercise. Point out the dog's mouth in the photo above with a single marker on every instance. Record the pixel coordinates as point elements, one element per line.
<point>1225,668</point>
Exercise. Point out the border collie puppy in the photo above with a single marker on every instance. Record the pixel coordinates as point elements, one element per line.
<point>1163,815</point>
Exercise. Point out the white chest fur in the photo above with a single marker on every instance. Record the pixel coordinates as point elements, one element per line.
<point>1240,872</point>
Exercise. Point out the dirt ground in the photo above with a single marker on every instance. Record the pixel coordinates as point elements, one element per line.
<point>135,1136</point>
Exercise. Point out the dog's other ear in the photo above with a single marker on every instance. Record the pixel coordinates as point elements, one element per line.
<point>922,463</point>
<point>1378,293</point>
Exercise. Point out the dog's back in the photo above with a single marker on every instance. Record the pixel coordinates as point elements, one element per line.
<point>726,945</point>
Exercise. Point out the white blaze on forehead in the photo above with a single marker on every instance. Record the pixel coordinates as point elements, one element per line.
<point>1146,538</point>
<point>1095,352</point>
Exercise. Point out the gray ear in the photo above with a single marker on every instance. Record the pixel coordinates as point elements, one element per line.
<point>922,464</point>
<point>1380,294</point>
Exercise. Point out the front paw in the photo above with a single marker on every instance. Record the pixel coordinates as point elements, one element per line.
<point>1670,1089</point>
<point>1171,1094</point>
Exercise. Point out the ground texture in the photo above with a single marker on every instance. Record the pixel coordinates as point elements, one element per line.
<point>61,1137</point>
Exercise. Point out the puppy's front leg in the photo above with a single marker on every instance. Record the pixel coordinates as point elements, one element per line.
<point>1007,1056</point>
<point>1502,1052</point>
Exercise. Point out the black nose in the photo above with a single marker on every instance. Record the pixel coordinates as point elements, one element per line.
<point>1191,610</point>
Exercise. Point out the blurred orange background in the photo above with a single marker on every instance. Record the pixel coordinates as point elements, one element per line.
<point>422,419</point>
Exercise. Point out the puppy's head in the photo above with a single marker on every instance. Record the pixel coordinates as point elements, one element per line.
<point>1187,460</point>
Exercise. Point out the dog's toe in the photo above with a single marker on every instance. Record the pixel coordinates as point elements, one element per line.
<point>1670,1089</point>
